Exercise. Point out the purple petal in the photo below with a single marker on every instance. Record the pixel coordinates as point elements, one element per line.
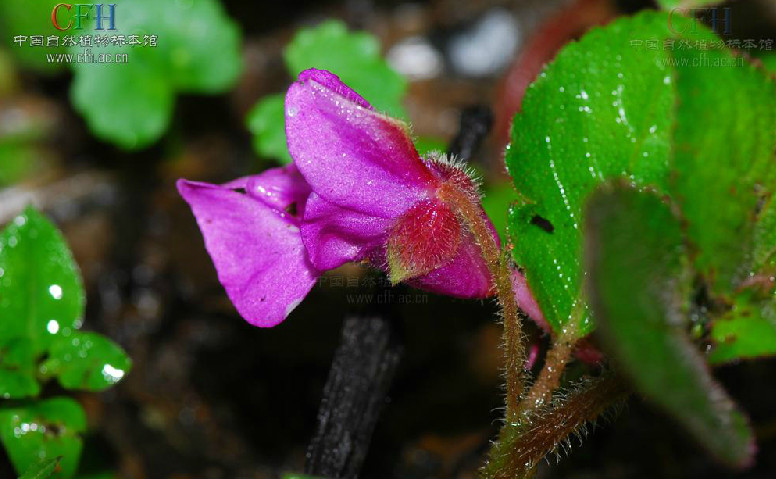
<point>351,155</point>
<point>258,254</point>
<point>332,82</point>
<point>587,352</point>
<point>334,236</point>
<point>532,356</point>
<point>526,302</point>
<point>466,276</point>
<point>279,188</point>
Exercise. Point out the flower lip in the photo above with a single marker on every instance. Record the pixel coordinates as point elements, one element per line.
<point>254,244</point>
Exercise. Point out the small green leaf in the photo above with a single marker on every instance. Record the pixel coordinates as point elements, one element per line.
<point>205,51</point>
<point>17,369</point>
<point>601,109</point>
<point>44,430</point>
<point>130,103</point>
<point>638,285</point>
<point>128,120</point>
<point>266,121</point>
<point>747,331</point>
<point>41,295</point>
<point>685,4</point>
<point>85,360</point>
<point>42,470</point>
<point>723,169</point>
<point>353,56</point>
<point>21,17</point>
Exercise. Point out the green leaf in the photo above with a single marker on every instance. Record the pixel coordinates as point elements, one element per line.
<point>764,253</point>
<point>130,120</point>
<point>354,57</point>
<point>496,200</point>
<point>21,17</point>
<point>723,168</point>
<point>130,104</point>
<point>86,361</point>
<point>41,295</point>
<point>42,470</point>
<point>638,285</point>
<point>266,121</point>
<point>685,4</point>
<point>747,331</point>
<point>44,430</point>
<point>769,62</point>
<point>205,52</point>
<point>17,369</point>
<point>426,145</point>
<point>602,109</point>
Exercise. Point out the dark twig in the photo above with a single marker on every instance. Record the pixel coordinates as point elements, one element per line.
<point>475,125</point>
<point>361,373</point>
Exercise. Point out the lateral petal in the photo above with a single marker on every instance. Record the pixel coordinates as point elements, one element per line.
<point>258,254</point>
<point>465,276</point>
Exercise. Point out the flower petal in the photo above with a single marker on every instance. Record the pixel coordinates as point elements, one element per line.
<point>351,155</point>
<point>526,302</point>
<point>465,276</point>
<point>332,82</point>
<point>279,188</point>
<point>334,236</point>
<point>258,254</point>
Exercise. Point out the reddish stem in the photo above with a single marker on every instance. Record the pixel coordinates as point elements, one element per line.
<point>469,209</point>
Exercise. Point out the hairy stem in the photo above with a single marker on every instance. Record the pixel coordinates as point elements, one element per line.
<point>521,446</point>
<point>554,365</point>
<point>498,264</point>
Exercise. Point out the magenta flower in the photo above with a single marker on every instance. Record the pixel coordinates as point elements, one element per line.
<point>357,191</point>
